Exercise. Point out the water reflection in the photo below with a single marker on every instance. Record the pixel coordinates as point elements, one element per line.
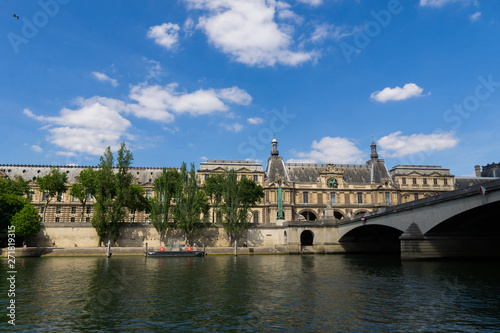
<point>254,294</point>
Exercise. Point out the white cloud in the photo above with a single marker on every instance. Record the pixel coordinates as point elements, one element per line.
<point>474,17</point>
<point>328,149</point>
<point>255,120</point>
<point>95,125</point>
<point>104,78</point>
<point>204,158</point>
<point>329,31</point>
<point>154,69</point>
<point>235,127</point>
<point>397,94</point>
<point>284,13</point>
<point>161,103</point>
<point>397,145</point>
<point>166,35</point>
<point>247,31</point>
<point>36,149</point>
<point>189,26</point>
<point>441,3</point>
<point>311,2</point>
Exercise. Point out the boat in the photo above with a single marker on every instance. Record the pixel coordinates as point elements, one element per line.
<point>175,254</point>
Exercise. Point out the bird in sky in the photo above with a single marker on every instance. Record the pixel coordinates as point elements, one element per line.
<point>17,17</point>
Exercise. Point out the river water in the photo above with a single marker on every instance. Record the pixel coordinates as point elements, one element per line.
<point>259,293</point>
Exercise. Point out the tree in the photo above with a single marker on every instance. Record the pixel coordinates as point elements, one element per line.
<point>191,202</point>
<point>27,222</point>
<point>114,193</point>
<point>165,187</point>
<point>84,187</point>
<point>52,185</point>
<point>238,197</point>
<point>213,189</point>
<point>12,199</point>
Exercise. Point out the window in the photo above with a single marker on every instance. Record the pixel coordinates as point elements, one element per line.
<point>415,196</point>
<point>219,218</point>
<point>360,198</point>
<point>446,181</point>
<point>58,210</point>
<point>60,197</point>
<point>89,197</point>
<point>305,197</point>
<point>414,181</point>
<point>74,198</point>
<point>44,196</point>
<point>387,198</point>
<point>89,210</point>
<point>132,211</point>
<point>87,219</point>
<point>255,178</point>
<point>147,220</point>
<point>72,219</point>
<point>42,209</point>
<point>243,176</point>
<point>73,210</point>
<point>206,176</point>
<point>30,193</point>
<point>132,220</point>
<point>256,217</point>
<point>332,198</point>
<point>404,181</point>
<point>148,194</point>
<point>435,181</point>
<point>57,219</point>
<point>425,181</point>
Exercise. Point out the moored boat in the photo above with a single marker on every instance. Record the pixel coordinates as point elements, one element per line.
<point>175,254</point>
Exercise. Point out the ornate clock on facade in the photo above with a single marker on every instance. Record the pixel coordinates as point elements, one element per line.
<point>332,183</point>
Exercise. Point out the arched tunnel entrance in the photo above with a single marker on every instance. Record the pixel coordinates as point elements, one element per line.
<point>306,238</point>
<point>372,239</point>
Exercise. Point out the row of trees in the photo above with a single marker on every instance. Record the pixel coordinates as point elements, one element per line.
<point>179,202</point>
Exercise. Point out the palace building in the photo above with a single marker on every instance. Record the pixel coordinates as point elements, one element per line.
<point>307,189</point>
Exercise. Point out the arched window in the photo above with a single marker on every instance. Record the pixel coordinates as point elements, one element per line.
<point>256,217</point>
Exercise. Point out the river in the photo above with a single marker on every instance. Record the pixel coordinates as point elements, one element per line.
<point>271,293</point>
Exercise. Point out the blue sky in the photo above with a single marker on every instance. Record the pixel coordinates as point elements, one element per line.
<point>191,80</point>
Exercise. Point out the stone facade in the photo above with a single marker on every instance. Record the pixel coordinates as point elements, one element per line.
<point>343,190</point>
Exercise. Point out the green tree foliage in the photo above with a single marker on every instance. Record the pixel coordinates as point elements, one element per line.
<point>213,189</point>
<point>12,199</point>
<point>27,221</point>
<point>53,185</point>
<point>238,197</point>
<point>84,187</point>
<point>165,188</point>
<point>114,193</point>
<point>191,202</point>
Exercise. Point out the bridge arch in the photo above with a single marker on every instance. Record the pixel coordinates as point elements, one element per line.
<point>338,215</point>
<point>308,215</point>
<point>306,238</point>
<point>372,238</point>
<point>360,212</point>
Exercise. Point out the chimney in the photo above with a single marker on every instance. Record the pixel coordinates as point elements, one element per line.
<point>478,170</point>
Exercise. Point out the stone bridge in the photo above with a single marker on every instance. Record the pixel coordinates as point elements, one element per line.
<point>456,224</point>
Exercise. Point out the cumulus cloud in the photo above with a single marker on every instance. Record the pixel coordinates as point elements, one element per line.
<point>328,149</point>
<point>166,35</point>
<point>93,126</point>
<point>255,120</point>
<point>409,90</point>
<point>104,78</point>
<point>161,103</point>
<point>248,32</point>
<point>397,145</point>
<point>441,3</point>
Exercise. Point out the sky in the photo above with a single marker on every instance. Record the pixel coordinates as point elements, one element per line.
<point>191,80</point>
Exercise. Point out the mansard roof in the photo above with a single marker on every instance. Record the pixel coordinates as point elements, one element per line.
<point>424,170</point>
<point>143,175</point>
<point>218,165</point>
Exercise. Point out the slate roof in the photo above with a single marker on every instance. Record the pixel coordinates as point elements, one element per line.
<point>143,175</point>
<point>424,170</point>
<point>463,182</point>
